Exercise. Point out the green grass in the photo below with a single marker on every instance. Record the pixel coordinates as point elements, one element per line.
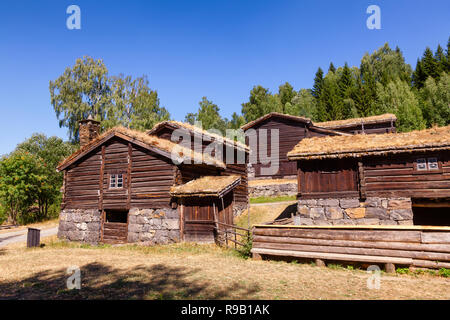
<point>272,199</point>
<point>443,272</point>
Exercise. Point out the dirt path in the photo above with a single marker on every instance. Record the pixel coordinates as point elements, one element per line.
<point>21,235</point>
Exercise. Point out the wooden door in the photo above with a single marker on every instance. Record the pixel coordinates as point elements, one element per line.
<point>115,226</point>
<point>199,219</point>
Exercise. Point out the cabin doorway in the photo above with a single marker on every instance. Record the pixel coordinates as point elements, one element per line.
<point>115,226</point>
<point>427,212</point>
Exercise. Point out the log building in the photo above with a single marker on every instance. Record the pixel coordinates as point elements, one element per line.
<point>386,179</point>
<point>292,129</point>
<point>124,186</point>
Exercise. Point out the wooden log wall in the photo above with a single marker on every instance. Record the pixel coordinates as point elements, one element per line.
<point>396,175</point>
<point>82,183</point>
<point>427,247</point>
<point>381,176</point>
<point>151,179</point>
<point>328,178</point>
<point>147,178</point>
<point>290,133</point>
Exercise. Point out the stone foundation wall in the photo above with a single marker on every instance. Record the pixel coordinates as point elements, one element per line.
<point>273,190</point>
<point>80,225</point>
<point>153,226</point>
<point>351,211</point>
<point>150,226</point>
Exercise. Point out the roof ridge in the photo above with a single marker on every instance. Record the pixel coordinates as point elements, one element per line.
<point>191,127</point>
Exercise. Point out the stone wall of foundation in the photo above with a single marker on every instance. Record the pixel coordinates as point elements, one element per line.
<point>153,226</point>
<point>149,226</point>
<point>80,225</point>
<point>273,190</point>
<point>352,211</point>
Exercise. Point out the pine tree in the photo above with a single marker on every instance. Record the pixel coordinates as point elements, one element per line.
<point>441,60</point>
<point>346,90</point>
<point>331,102</point>
<point>419,76</point>
<point>331,68</point>
<point>429,64</point>
<point>318,84</point>
<point>345,82</point>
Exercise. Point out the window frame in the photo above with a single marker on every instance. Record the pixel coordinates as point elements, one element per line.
<point>114,184</point>
<point>427,169</point>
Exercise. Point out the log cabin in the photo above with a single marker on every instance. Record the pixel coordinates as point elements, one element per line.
<point>383,179</point>
<point>234,154</point>
<point>292,129</point>
<point>130,186</point>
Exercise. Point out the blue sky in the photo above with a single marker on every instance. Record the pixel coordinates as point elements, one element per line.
<point>190,49</point>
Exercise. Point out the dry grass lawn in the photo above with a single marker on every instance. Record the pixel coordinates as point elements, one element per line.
<point>41,225</point>
<point>265,182</point>
<point>189,271</point>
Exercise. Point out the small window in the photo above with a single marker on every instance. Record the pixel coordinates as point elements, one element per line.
<point>421,164</point>
<point>433,164</point>
<point>116,181</point>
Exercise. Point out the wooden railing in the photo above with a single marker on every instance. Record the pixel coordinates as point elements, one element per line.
<point>229,233</point>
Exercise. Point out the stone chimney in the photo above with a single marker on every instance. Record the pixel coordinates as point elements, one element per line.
<point>89,130</point>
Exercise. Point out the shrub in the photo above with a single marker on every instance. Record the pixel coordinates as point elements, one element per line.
<point>245,250</point>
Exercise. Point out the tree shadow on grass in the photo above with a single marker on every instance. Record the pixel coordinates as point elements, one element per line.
<point>99,281</point>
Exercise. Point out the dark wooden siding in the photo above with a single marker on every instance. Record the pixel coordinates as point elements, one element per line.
<point>397,176</point>
<point>328,178</point>
<point>116,162</point>
<point>199,216</point>
<point>381,176</point>
<point>81,186</point>
<point>151,178</point>
<point>290,133</point>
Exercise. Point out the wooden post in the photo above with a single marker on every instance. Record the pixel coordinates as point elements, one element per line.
<point>226,227</point>
<point>103,225</point>
<point>389,267</point>
<point>256,256</point>
<point>361,180</point>
<point>102,173</point>
<point>130,153</point>
<point>319,262</point>
<point>216,221</point>
<point>181,206</point>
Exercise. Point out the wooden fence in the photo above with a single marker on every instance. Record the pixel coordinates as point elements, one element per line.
<point>419,246</point>
<point>228,233</point>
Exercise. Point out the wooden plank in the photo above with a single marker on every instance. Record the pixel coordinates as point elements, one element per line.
<point>445,248</point>
<point>334,256</point>
<point>362,235</point>
<point>435,256</point>
<point>436,237</point>
<point>430,264</point>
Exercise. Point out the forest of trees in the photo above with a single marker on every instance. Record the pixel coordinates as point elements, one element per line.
<point>383,83</point>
